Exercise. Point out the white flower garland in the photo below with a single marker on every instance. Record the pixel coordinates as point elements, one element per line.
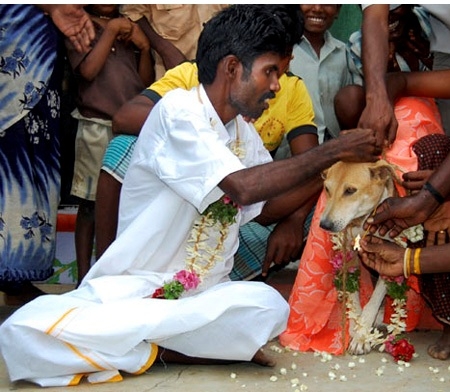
<point>397,324</point>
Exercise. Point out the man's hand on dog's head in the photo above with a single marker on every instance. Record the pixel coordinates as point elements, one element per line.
<point>358,145</point>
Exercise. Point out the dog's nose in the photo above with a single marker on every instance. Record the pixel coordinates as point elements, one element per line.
<point>327,225</point>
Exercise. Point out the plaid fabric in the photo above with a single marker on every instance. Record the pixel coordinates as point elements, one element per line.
<point>431,150</point>
<point>117,156</point>
<point>249,258</point>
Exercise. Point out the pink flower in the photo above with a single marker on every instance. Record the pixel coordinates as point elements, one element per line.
<point>338,261</point>
<point>188,279</point>
<point>227,200</point>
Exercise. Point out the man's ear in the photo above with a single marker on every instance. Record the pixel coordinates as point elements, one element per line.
<point>231,64</point>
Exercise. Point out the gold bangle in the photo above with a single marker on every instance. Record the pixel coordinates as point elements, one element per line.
<point>406,258</point>
<point>416,270</point>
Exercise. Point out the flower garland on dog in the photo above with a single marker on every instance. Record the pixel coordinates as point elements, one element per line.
<point>346,270</point>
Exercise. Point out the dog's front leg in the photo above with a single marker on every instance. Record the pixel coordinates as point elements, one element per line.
<point>361,342</point>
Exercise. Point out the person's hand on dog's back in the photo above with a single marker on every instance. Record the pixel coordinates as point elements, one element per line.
<point>396,214</point>
<point>383,256</point>
<point>357,145</point>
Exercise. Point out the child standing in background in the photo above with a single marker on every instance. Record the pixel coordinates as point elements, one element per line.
<point>117,68</point>
<point>321,61</point>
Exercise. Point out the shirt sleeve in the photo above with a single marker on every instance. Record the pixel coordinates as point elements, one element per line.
<point>182,76</point>
<point>300,112</point>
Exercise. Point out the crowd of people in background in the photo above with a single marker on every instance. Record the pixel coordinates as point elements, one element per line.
<point>199,152</point>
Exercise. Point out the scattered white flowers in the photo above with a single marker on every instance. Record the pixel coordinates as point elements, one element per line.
<point>294,366</point>
<point>379,372</point>
<point>295,382</point>
<point>276,349</point>
<point>434,370</point>
<point>273,378</point>
<point>351,365</point>
<point>342,378</point>
<point>233,375</point>
<point>283,371</point>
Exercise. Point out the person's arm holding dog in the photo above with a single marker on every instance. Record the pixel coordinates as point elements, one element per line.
<point>429,189</point>
<point>388,258</point>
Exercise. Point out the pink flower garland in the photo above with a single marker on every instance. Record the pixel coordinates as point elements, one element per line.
<point>182,281</point>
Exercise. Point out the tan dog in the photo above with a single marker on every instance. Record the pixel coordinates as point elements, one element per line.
<point>353,191</point>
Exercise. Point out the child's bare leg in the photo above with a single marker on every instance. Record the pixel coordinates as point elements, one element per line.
<point>441,349</point>
<point>106,211</point>
<point>84,237</point>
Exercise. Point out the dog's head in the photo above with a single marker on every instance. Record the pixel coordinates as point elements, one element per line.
<point>353,190</point>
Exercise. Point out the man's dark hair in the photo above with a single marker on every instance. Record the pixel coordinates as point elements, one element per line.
<point>246,31</point>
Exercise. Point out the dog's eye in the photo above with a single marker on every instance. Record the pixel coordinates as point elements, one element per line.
<point>350,191</point>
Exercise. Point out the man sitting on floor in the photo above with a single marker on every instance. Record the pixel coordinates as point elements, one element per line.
<point>198,172</point>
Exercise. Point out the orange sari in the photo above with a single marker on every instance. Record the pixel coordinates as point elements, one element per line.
<point>317,319</point>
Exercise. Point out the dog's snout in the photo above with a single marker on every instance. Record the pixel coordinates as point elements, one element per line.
<point>327,225</point>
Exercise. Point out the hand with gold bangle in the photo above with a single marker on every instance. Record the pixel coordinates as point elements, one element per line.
<point>411,262</point>
<point>390,259</point>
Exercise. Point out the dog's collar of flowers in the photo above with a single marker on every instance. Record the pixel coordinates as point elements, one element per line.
<point>346,271</point>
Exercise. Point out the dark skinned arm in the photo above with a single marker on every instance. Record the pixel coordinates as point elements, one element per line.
<point>131,116</point>
<point>264,182</point>
<point>169,53</point>
<point>378,113</point>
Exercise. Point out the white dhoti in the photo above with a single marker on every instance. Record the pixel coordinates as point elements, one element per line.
<point>55,340</point>
<point>108,325</point>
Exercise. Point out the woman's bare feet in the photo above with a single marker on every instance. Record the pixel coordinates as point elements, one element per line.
<point>441,349</point>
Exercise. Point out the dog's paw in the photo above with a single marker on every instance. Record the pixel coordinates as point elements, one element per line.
<point>359,346</point>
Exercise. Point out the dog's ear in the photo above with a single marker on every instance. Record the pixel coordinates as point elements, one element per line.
<point>382,170</point>
<point>324,174</point>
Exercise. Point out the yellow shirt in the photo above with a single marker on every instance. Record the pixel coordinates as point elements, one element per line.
<point>290,113</point>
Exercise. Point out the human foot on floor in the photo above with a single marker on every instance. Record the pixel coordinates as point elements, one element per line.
<point>441,349</point>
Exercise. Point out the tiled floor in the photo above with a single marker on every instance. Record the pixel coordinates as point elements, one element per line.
<point>294,371</point>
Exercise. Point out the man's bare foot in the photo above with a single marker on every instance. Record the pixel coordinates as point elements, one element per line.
<point>170,356</point>
<point>441,349</point>
<point>262,359</point>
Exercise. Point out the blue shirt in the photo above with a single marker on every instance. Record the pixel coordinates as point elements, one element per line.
<point>323,77</point>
